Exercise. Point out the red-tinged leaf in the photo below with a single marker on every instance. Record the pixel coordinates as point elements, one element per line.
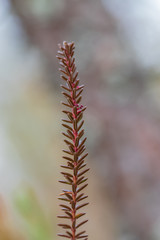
<point>72,46</point>
<point>63,216</point>
<point>69,83</point>
<point>82,142</point>
<point>73,68</point>
<point>79,196</point>
<point>76,84</point>
<point>71,148</point>
<point>67,174</point>
<point>79,215</point>
<point>64,209</point>
<point>61,53</point>
<point>67,89</point>
<point>66,112</point>
<point>69,234</point>
<point>80,87</point>
<point>70,117</point>
<point>82,198</point>
<point>79,93</point>
<point>61,70</point>
<point>84,156</point>
<point>67,71</point>
<point>72,62</point>
<point>66,191</point>
<point>77,142</point>
<point>70,133</point>
<point>84,236</point>
<point>65,104</point>
<point>68,178</point>
<point>69,197</point>
<point>64,199</point>
<point>67,158</point>
<point>74,188</point>
<point>75,125</point>
<point>65,226</point>
<point>81,206</point>
<point>70,102</point>
<point>81,188</point>
<point>60,58</point>
<point>70,153</point>
<point>84,180</point>
<point>81,150</point>
<point>69,214</point>
<point>79,234</point>
<point>72,54</point>
<point>63,235</point>
<point>66,126</point>
<point>67,121</point>
<point>64,182</point>
<point>64,78</point>
<point>81,124</point>
<point>76,75</point>
<point>80,163</point>
<point>80,224</point>
<point>70,164</point>
<point>79,117</point>
<point>66,167</point>
<point>81,173</point>
<point>82,166</point>
<point>62,64</point>
<point>75,170</point>
<point>74,95</point>
<point>66,94</point>
<point>65,206</point>
<point>81,133</point>
<point>66,135</point>
<point>79,180</point>
<point>79,99</point>
<point>83,109</point>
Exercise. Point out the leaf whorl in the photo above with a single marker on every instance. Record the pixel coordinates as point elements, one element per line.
<point>75,177</point>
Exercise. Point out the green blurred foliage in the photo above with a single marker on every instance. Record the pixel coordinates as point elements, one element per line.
<point>36,224</point>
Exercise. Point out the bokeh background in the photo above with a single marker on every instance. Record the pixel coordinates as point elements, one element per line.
<point>118,58</point>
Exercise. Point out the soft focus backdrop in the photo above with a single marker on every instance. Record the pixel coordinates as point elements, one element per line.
<point>118,58</point>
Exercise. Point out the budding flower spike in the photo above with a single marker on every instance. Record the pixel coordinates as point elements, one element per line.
<point>75,168</point>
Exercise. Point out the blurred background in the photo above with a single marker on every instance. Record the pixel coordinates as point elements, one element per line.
<point>118,58</point>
